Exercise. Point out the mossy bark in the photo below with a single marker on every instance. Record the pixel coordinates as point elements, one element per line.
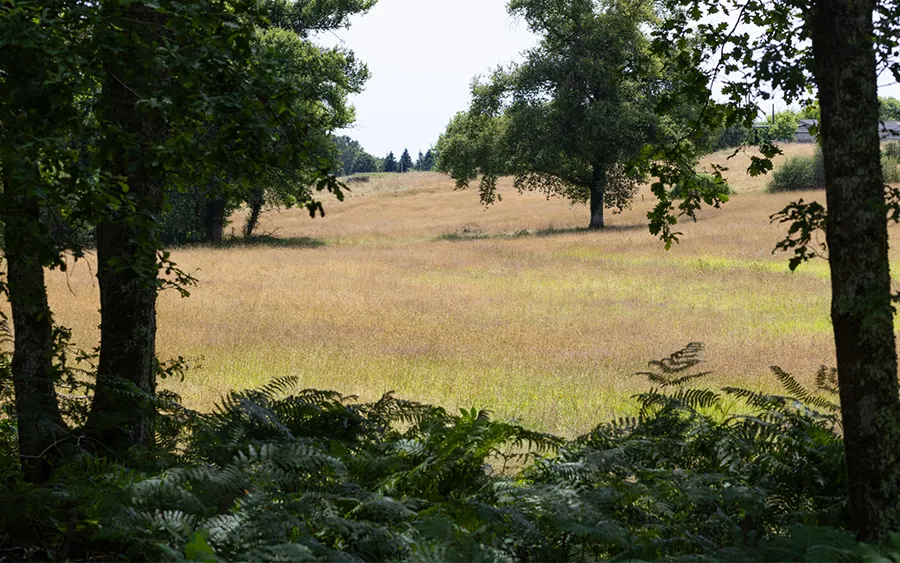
<point>862,315</point>
<point>39,423</point>
<point>122,413</point>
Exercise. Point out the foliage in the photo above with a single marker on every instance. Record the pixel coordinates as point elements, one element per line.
<point>425,162</point>
<point>728,474</point>
<point>730,138</point>
<point>406,163</point>
<point>707,183</point>
<point>890,168</point>
<point>799,173</point>
<point>389,164</point>
<point>808,172</point>
<point>889,109</point>
<point>326,77</point>
<point>354,159</point>
<point>572,119</point>
<point>782,127</point>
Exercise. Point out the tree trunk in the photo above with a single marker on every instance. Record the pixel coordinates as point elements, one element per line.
<point>256,205</point>
<point>214,220</point>
<point>861,311</point>
<point>40,425</point>
<point>127,239</point>
<point>598,190</point>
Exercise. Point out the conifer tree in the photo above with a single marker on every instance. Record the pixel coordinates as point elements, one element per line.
<point>406,162</point>
<point>428,161</point>
<point>390,163</point>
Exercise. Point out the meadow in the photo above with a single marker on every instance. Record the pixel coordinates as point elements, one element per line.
<point>413,287</point>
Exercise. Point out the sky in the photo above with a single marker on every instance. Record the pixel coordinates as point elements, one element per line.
<point>423,55</point>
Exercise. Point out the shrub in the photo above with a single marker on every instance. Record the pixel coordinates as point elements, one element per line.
<point>808,172</point>
<point>890,166</point>
<point>891,150</point>
<point>799,173</point>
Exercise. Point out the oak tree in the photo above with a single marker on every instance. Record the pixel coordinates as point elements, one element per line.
<point>572,118</point>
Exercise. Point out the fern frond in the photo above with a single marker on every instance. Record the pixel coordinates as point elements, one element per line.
<point>278,387</point>
<point>799,392</point>
<point>827,380</point>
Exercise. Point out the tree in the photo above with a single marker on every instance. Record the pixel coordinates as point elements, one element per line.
<point>428,161</point>
<point>40,85</point>
<point>106,108</point>
<point>364,163</point>
<point>835,45</point>
<point>389,164</point>
<point>420,162</point>
<point>782,127</point>
<point>354,159</point>
<point>571,118</point>
<point>327,77</point>
<point>406,163</point>
<point>889,109</point>
<point>349,151</point>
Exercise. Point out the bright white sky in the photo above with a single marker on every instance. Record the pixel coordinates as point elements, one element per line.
<point>422,55</point>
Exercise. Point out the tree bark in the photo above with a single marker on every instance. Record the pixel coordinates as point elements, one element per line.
<point>256,205</point>
<point>861,311</point>
<point>598,191</point>
<point>214,220</point>
<point>123,412</point>
<point>40,425</point>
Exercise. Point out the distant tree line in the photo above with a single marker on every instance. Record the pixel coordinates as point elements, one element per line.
<point>355,160</point>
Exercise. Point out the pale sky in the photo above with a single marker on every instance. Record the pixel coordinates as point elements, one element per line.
<point>422,55</point>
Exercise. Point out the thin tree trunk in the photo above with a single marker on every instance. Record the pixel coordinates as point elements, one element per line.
<point>256,205</point>
<point>40,425</point>
<point>598,191</point>
<point>122,413</point>
<point>857,236</point>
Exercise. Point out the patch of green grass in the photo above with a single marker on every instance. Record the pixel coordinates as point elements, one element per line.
<point>569,401</point>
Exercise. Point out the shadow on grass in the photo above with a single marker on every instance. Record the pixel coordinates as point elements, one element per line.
<point>470,233</point>
<point>269,241</point>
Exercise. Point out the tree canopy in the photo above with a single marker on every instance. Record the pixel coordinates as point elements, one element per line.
<point>389,164</point>
<point>406,163</point>
<point>109,109</point>
<point>573,118</point>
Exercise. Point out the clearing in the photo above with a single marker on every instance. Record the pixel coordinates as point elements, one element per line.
<point>414,287</point>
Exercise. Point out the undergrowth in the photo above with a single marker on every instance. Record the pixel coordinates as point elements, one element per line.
<point>808,172</point>
<point>280,474</point>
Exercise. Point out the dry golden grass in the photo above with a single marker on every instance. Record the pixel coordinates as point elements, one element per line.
<point>537,320</point>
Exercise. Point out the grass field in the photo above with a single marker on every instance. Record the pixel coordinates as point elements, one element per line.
<point>414,287</point>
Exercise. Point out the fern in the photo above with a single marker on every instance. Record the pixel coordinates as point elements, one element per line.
<point>279,474</point>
